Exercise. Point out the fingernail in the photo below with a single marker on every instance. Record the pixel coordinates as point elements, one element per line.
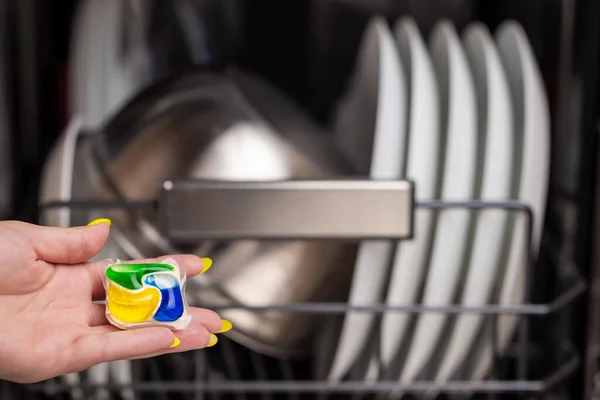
<point>206,264</point>
<point>213,340</point>
<point>176,342</point>
<point>100,221</point>
<point>225,326</point>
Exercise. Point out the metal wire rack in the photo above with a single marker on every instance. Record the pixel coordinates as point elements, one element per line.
<point>539,361</point>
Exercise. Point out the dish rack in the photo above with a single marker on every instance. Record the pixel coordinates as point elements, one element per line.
<point>541,359</point>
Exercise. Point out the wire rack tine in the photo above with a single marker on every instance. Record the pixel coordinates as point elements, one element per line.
<point>199,372</point>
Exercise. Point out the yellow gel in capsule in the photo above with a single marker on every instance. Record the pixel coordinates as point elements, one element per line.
<point>132,306</point>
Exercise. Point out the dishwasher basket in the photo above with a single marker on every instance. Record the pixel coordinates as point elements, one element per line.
<point>537,364</point>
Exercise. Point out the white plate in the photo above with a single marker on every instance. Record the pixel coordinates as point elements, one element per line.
<point>532,124</point>
<point>375,112</point>
<point>83,60</point>
<point>459,116</point>
<point>422,166</point>
<point>101,78</point>
<point>57,175</point>
<point>495,130</point>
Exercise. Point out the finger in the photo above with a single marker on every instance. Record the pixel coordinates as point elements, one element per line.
<point>194,327</point>
<point>64,245</point>
<point>108,344</point>
<point>209,320</point>
<point>193,338</point>
<point>191,264</point>
<point>190,339</point>
<point>97,315</point>
<point>196,336</point>
<point>201,317</point>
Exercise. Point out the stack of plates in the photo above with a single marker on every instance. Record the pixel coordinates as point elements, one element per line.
<point>465,117</point>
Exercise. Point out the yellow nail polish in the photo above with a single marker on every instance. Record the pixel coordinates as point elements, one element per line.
<point>213,340</point>
<point>225,326</point>
<point>100,221</point>
<point>206,264</point>
<point>176,342</point>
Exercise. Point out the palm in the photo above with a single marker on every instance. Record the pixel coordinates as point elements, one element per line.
<point>49,322</point>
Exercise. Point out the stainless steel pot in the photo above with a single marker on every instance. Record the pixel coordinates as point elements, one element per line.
<point>221,126</point>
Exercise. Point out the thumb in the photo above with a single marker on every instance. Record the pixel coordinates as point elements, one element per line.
<point>66,245</point>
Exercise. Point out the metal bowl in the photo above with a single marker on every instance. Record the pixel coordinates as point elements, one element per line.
<point>221,126</point>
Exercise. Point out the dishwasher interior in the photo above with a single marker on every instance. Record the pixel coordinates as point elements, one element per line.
<point>232,129</point>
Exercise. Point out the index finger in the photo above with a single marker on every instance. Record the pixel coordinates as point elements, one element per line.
<point>192,265</point>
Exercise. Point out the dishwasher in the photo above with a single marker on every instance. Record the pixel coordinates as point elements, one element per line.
<point>399,197</point>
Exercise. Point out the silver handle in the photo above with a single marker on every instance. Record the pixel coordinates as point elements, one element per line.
<point>298,209</point>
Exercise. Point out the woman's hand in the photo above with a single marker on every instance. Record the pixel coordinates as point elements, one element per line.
<point>49,325</point>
